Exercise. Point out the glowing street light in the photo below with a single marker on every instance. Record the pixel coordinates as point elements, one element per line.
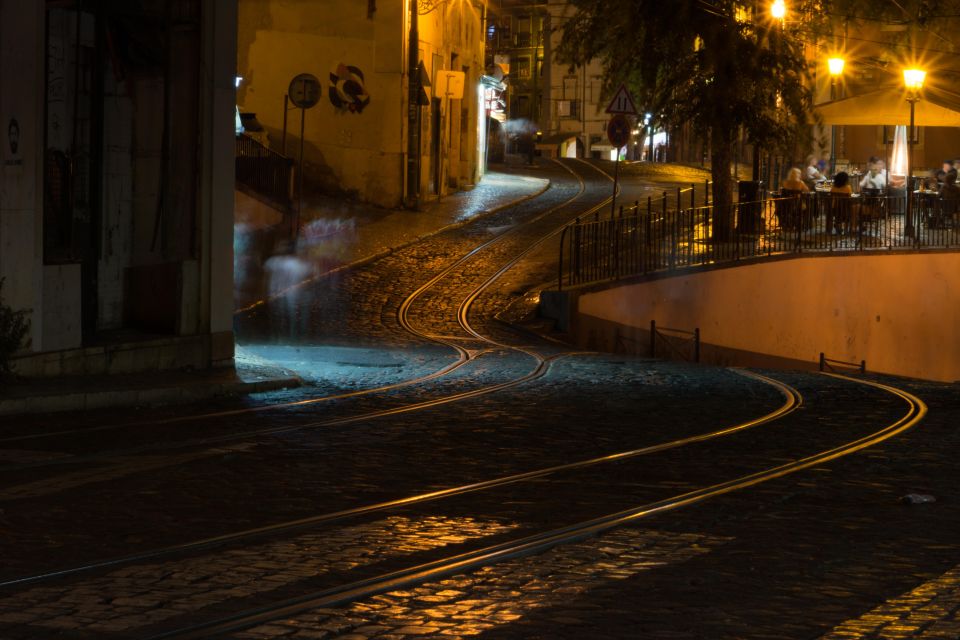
<point>913,81</point>
<point>835,66</point>
<point>778,9</point>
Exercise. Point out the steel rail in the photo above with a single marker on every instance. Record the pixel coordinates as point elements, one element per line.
<point>541,368</point>
<point>543,541</point>
<point>792,401</point>
<point>463,357</point>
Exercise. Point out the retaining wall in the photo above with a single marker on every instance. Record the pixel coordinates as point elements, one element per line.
<point>899,312</point>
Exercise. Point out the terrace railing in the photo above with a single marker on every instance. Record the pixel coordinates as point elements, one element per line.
<point>644,239</point>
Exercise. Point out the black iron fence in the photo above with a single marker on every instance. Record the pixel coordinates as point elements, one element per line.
<point>831,365</point>
<point>265,172</point>
<point>674,343</point>
<point>653,237</point>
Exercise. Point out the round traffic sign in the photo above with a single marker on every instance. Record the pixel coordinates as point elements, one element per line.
<point>304,90</point>
<point>618,130</point>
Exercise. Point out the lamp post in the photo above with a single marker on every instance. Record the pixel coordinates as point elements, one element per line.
<point>913,81</point>
<point>835,66</point>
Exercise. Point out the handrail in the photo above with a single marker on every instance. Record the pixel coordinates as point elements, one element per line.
<point>825,363</point>
<point>265,172</point>
<point>658,331</point>
<point>656,238</point>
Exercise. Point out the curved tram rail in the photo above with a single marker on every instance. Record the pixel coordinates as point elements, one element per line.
<point>543,541</point>
<point>463,357</point>
<point>792,401</point>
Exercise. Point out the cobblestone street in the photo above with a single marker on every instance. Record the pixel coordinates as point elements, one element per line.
<point>443,472</point>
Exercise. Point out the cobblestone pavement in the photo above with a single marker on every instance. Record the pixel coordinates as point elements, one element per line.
<point>831,551</point>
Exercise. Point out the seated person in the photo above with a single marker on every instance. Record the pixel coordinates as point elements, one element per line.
<point>811,174</point>
<point>876,175</point>
<point>930,181</point>
<point>793,181</point>
<point>950,189</point>
<point>947,166</point>
<point>841,184</point>
<point>841,214</point>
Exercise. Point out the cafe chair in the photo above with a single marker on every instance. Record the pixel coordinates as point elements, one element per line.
<point>841,216</point>
<point>789,209</point>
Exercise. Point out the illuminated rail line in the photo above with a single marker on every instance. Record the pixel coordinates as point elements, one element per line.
<point>792,401</point>
<point>542,541</point>
<point>463,357</point>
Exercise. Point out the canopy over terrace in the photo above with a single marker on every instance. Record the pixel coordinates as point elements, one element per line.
<point>889,106</point>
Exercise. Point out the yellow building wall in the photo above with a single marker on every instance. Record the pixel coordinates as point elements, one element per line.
<point>362,153</point>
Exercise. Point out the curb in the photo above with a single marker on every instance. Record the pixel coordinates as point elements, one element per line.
<point>90,400</point>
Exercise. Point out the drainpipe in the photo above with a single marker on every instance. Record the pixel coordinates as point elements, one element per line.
<point>413,111</point>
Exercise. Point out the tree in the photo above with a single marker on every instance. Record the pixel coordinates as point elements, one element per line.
<point>704,62</point>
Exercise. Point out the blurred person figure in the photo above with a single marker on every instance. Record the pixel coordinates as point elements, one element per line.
<point>812,175</point>
<point>841,183</point>
<point>793,181</point>
<point>950,190</point>
<point>876,175</point>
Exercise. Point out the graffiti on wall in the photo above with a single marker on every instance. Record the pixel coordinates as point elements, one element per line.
<point>347,91</point>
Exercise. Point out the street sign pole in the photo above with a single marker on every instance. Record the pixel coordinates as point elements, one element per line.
<point>616,182</point>
<point>304,93</point>
<point>618,132</point>
<point>296,218</point>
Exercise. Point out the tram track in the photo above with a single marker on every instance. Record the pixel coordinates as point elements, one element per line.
<point>458,561</point>
<point>792,401</point>
<point>463,357</point>
<point>542,541</point>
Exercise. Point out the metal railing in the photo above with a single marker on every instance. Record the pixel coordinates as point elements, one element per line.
<point>828,364</point>
<point>654,238</point>
<point>677,342</point>
<point>264,172</point>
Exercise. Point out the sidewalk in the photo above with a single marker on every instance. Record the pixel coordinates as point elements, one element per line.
<point>360,233</point>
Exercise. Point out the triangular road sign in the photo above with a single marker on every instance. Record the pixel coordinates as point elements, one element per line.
<point>622,102</point>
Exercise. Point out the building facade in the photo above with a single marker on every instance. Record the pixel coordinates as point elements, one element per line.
<point>116,182</point>
<point>357,137</point>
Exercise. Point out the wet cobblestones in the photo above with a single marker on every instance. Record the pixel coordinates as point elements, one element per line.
<point>131,597</point>
<point>828,551</point>
<point>928,612</point>
<point>472,604</point>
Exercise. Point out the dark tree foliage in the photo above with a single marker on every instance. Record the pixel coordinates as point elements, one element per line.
<point>889,36</point>
<point>13,329</point>
<point>705,63</point>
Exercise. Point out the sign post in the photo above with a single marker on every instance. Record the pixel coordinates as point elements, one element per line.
<point>618,132</point>
<point>304,93</point>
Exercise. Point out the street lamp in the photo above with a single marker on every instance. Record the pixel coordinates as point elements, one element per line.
<point>778,9</point>
<point>835,66</point>
<point>913,81</point>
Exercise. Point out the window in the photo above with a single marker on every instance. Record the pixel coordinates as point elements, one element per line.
<point>523,67</point>
<point>523,31</point>
<point>568,109</point>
